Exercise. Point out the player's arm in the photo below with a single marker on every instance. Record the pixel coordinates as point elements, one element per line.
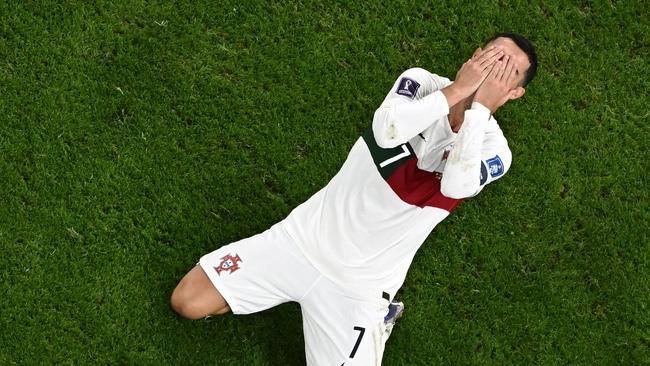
<point>419,98</point>
<point>413,104</point>
<point>479,156</point>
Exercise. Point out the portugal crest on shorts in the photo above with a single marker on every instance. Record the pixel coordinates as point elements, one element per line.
<point>228,263</point>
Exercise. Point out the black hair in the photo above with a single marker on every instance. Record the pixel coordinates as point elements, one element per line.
<point>526,46</point>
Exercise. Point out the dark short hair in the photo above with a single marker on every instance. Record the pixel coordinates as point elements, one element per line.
<point>526,46</point>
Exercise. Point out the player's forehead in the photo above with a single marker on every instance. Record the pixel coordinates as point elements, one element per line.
<point>511,49</point>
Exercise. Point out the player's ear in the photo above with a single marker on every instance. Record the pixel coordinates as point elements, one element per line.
<point>516,93</point>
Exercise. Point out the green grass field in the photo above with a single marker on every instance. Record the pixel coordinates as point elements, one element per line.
<point>137,136</point>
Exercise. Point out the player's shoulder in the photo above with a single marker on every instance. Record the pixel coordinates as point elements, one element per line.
<point>422,76</point>
<point>419,72</point>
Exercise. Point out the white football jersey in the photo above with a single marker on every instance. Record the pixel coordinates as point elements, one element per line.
<point>402,177</point>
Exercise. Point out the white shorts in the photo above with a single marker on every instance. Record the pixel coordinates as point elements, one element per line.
<point>269,269</point>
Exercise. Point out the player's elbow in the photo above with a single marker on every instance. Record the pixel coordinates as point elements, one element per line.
<point>456,189</point>
<point>384,130</point>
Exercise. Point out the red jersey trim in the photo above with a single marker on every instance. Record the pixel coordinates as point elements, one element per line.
<point>419,187</point>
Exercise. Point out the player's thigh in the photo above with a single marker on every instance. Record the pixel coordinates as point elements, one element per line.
<point>260,272</point>
<point>341,330</point>
<point>196,297</point>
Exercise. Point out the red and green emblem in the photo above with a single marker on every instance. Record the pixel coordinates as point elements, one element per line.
<point>228,263</point>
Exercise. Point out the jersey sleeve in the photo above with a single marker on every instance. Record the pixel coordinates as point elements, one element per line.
<point>414,103</point>
<point>480,155</point>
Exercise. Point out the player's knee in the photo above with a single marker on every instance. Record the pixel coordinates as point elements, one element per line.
<point>187,306</point>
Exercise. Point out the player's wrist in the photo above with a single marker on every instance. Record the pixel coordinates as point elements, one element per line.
<point>481,111</point>
<point>485,102</point>
<point>454,94</point>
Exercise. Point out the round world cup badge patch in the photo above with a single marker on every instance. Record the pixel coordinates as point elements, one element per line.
<point>228,263</point>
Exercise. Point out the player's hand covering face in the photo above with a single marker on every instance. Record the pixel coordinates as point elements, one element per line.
<point>501,84</point>
<point>476,69</point>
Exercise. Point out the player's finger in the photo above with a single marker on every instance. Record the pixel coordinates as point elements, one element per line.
<point>508,69</point>
<point>492,59</point>
<point>501,65</point>
<point>512,78</point>
<point>478,52</point>
<point>487,54</point>
<point>513,75</point>
<point>490,71</point>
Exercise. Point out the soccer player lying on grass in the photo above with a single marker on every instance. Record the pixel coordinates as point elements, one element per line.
<point>344,253</point>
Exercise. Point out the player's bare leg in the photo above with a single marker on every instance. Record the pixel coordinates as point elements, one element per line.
<point>195,297</point>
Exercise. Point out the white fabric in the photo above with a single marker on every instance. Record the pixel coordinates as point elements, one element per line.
<point>398,119</point>
<point>356,230</point>
<point>271,270</point>
<point>355,238</point>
